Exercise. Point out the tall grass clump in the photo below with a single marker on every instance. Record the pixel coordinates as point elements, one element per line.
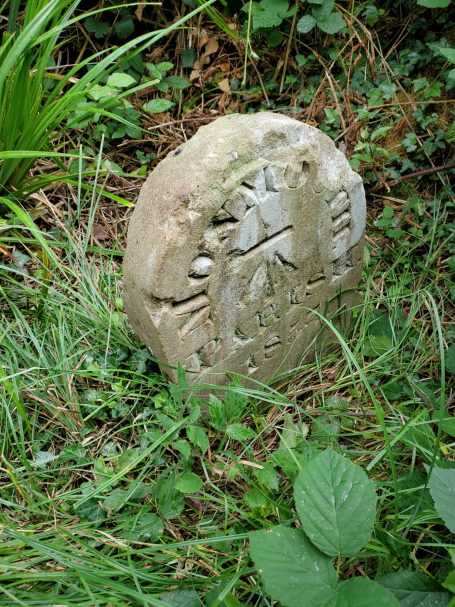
<point>34,100</point>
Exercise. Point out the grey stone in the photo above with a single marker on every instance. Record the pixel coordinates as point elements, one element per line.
<point>236,237</point>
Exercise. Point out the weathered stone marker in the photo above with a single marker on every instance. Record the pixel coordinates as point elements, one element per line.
<point>236,234</point>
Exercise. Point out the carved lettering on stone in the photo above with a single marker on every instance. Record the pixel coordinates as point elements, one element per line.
<point>256,221</point>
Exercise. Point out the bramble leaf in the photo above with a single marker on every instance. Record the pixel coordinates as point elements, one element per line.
<point>289,564</point>
<point>336,502</point>
<point>442,489</point>
<point>362,592</point>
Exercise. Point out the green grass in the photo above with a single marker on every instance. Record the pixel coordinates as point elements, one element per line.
<point>118,488</point>
<point>93,435</point>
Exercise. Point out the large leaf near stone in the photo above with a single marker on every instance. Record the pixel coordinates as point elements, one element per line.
<point>361,592</point>
<point>336,503</point>
<point>292,568</point>
<point>413,589</point>
<point>442,489</point>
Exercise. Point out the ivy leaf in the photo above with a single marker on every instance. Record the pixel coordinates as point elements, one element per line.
<point>413,589</point>
<point>96,27</point>
<point>448,53</point>
<point>289,564</point>
<point>331,23</point>
<point>306,24</point>
<point>362,592</point>
<point>336,502</point>
<point>434,3</point>
<point>120,80</point>
<point>442,489</point>
<point>157,106</point>
<point>189,483</point>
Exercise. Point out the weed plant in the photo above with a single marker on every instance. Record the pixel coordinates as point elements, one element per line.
<point>118,488</point>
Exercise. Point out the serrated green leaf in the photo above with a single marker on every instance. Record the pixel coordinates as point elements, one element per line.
<point>450,352</point>
<point>240,432</point>
<point>331,23</point>
<point>177,82</point>
<point>268,13</point>
<point>447,422</point>
<point>120,80</point>
<point>96,27</point>
<point>268,476</point>
<point>169,500</point>
<point>145,527</point>
<point>124,27</point>
<point>362,592</point>
<point>185,597</point>
<point>115,500</point>
<point>306,24</point>
<point>413,589</point>
<point>449,582</point>
<point>447,52</point>
<point>442,489</point>
<point>188,57</point>
<point>158,105</point>
<point>290,565</point>
<point>189,483</point>
<point>90,510</point>
<point>336,502</point>
<point>434,3</point>
<point>380,132</point>
<point>43,458</point>
<point>198,437</point>
<point>164,66</point>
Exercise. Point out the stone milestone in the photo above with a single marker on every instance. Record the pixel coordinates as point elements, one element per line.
<point>237,236</point>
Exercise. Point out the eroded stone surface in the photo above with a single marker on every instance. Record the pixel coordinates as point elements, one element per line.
<point>235,235</point>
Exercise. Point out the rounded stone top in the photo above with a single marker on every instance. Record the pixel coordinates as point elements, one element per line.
<point>236,235</point>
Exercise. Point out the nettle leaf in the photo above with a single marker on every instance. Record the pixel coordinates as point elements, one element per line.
<point>240,432</point>
<point>290,565</point>
<point>157,106</point>
<point>434,3</point>
<point>442,489</point>
<point>413,589</point>
<point>306,24</point>
<point>362,592</point>
<point>120,80</point>
<point>189,483</point>
<point>331,23</point>
<point>336,502</point>
<point>198,436</point>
